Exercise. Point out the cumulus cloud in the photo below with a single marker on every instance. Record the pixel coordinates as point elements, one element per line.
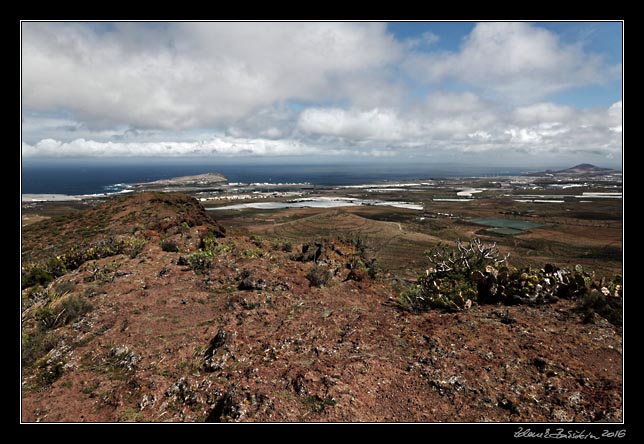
<point>515,60</point>
<point>425,39</point>
<point>451,103</point>
<point>543,113</point>
<point>615,117</point>
<point>271,122</point>
<point>550,128</point>
<point>352,124</point>
<point>183,75</point>
<point>474,125</point>
<point>273,89</point>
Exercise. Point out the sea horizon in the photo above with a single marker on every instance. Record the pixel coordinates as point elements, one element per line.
<point>77,179</point>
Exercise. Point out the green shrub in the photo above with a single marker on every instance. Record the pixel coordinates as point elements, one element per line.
<point>360,268</point>
<point>357,241</point>
<point>35,294</point>
<point>209,241</point>
<point>317,404</point>
<point>283,246</point>
<point>409,296</point>
<point>57,314</point>
<point>257,240</point>
<point>74,307</point>
<point>65,287</point>
<point>319,276</point>
<point>133,246</point>
<point>57,266</point>
<point>47,317</point>
<point>605,304</point>
<point>130,414</point>
<point>36,275</point>
<point>200,261</point>
<point>253,253</point>
<point>169,246</point>
<point>532,286</point>
<point>373,269</point>
<point>52,372</point>
<point>35,345</point>
<point>225,248</point>
<point>119,363</point>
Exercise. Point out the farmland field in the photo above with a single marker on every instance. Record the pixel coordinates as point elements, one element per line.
<point>573,229</point>
<point>566,234</point>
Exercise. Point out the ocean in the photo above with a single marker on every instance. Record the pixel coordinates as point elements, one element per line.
<point>77,179</point>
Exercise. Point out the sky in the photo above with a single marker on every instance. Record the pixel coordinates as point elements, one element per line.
<point>510,93</point>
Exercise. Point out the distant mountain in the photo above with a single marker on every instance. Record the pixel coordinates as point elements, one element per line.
<point>583,169</point>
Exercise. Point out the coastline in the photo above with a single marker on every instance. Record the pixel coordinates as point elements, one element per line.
<point>56,197</point>
<point>50,198</point>
<point>215,186</point>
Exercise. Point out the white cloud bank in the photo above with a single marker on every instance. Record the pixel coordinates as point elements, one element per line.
<point>273,89</point>
<point>222,146</point>
<point>539,129</point>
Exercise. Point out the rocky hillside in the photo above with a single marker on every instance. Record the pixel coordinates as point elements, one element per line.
<point>142,309</point>
<point>140,215</point>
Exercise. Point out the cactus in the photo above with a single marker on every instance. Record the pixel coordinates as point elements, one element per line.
<point>475,273</point>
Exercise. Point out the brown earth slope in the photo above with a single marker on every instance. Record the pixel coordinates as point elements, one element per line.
<point>239,334</point>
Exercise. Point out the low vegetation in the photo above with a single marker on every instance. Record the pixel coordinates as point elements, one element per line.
<point>451,282</point>
<point>42,273</point>
<point>209,241</point>
<point>475,273</point>
<point>319,276</point>
<point>54,309</point>
<point>360,268</point>
<point>63,311</point>
<point>118,362</point>
<point>35,345</point>
<point>282,245</point>
<point>169,246</point>
<point>253,253</point>
<point>600,302</point>
<point>199,261</point>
